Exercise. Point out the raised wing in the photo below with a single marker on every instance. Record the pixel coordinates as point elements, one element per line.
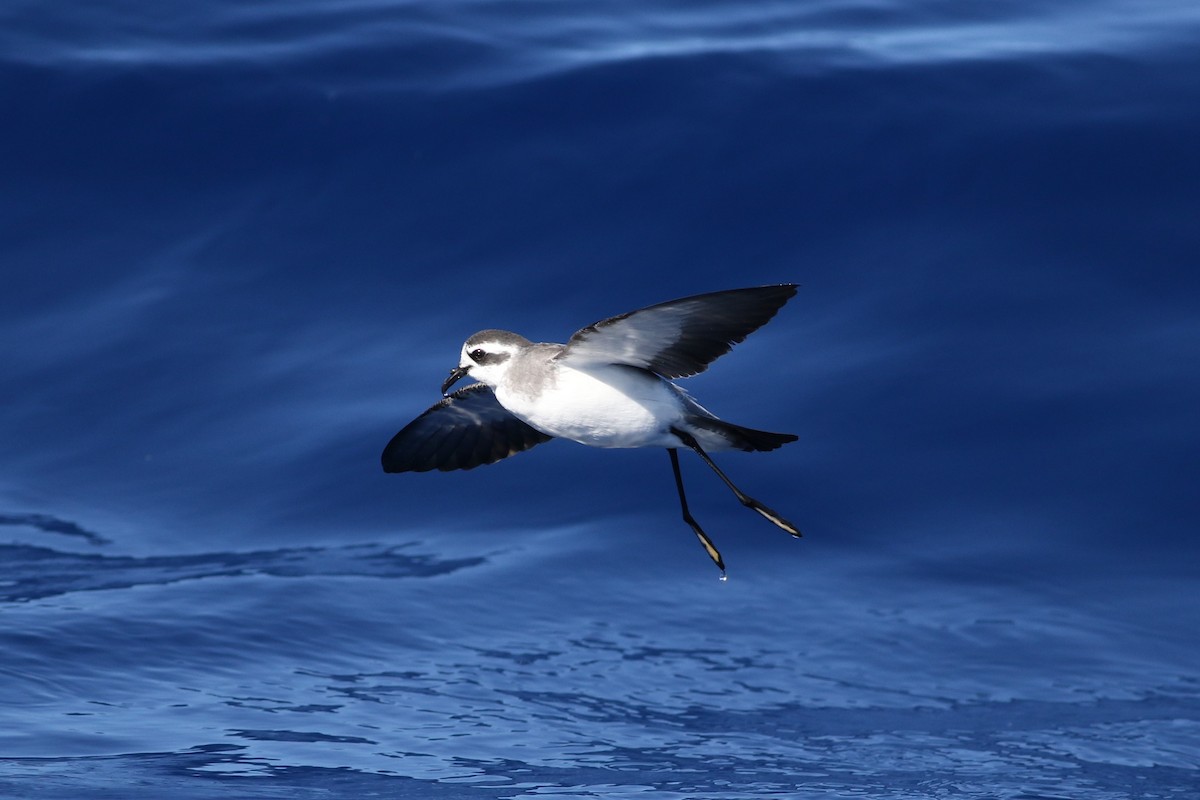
<point>463,431</point>
<point>681,337</point>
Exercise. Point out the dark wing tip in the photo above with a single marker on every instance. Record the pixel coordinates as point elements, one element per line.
<point>730,316</point>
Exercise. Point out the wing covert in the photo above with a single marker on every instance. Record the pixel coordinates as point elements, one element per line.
<point>680,337</point>
<point>465,430</point>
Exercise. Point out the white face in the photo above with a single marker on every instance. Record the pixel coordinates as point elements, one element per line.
<point>486,361</point>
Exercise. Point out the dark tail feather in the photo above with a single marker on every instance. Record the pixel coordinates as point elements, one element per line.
<point>747,439</point>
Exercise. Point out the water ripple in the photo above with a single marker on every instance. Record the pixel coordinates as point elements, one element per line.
<point>52,524</point>
<point>30,572</point>
<point>471,44</point>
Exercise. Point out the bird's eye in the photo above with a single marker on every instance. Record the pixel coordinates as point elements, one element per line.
<point>477,355</point>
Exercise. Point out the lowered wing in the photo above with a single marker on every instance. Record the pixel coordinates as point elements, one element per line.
<point>462,431</point>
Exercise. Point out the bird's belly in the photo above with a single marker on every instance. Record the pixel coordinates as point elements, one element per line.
<point>607,407</point>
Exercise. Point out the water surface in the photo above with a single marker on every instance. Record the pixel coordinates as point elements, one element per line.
<point>242,243</point>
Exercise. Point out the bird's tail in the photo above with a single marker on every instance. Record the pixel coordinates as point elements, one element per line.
<point>738,437</point>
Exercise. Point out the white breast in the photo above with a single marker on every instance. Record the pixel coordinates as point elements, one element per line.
<point>601,406</point>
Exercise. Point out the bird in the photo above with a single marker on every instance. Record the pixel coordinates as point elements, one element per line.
<point>611,385</point>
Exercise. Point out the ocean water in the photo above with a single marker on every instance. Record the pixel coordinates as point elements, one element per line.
<point>242,242</point>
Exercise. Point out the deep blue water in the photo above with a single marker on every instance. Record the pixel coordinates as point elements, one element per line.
<point>242,242</point>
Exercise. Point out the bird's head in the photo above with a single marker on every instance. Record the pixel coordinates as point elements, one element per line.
<point>486,357</point>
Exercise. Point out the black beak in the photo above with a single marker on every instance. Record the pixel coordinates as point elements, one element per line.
<point>456,375</point>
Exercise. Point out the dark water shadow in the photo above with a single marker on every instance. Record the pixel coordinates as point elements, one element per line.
<point>211,771</point>
<point>306,737</point>
<point>51,524</point>
<point>28,572</point>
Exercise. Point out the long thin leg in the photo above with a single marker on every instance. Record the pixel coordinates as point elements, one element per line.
<point>709,547</point>
<point>743,498</point>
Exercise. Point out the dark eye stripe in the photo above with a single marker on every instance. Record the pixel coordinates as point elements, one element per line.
<point>484,358</point>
